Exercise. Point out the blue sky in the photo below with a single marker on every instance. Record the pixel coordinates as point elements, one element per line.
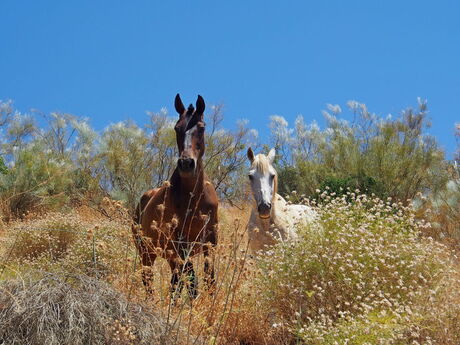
<point>113,60</point>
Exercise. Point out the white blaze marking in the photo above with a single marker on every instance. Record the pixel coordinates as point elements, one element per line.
<point>188,137</point>
<point>261,186</point>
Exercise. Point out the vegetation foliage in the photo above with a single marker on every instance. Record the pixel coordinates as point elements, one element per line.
<point>378,267</point>
<point>389,157</point>
<point>360,275</point>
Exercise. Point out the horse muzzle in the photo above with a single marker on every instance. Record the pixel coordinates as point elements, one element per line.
<point>264,210</point>
<point>186,165</point>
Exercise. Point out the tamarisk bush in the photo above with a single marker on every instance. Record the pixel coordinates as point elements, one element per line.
<point>387,156</point>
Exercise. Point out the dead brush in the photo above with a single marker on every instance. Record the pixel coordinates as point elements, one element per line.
<point>105,249</point>
<point>68,241</point>
<point>441,313</point>
<point>50,236</point>
<point>50,308</point>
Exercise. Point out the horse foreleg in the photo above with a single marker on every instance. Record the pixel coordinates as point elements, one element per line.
<point>147,274</point>
<point>177,283</point>
<point>147,258</point>
<point>192,281</point>
<point>208,269</point>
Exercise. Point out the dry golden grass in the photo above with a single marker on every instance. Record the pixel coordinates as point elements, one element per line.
<point>82,242</point>
<point>237,312</point>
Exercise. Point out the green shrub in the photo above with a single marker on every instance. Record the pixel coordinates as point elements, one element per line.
<point>37,179</point>
<point>340,186</point>
<point>386,156</point>
<point>3,168</point>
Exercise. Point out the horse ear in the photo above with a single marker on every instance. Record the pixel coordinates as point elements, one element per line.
<point>179,105</point>
<point>271,155</point>
<point>250,155</point>
<point>200,106</point>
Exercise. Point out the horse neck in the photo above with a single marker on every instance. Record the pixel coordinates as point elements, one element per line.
<point>275,189</point>
<point>186,185</point>
<point>262,224</point>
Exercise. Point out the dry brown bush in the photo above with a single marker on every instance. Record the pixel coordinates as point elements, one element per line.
<point>74,309</point>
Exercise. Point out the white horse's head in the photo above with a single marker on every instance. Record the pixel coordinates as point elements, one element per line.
<point>263,179</point>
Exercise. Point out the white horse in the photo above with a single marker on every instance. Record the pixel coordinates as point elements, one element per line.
<point>272,218</point>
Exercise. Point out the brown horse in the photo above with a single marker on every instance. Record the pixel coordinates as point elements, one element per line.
<point>179,219</point>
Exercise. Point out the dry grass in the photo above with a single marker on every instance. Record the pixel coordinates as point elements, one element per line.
<point>74,309</point>
<point>242,308</point>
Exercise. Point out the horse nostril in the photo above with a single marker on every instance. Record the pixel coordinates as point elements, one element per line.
<point>264,207</point>
<point>186,164</point>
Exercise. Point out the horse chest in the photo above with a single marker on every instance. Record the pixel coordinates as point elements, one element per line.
<point>192,224</point>
<point>192,221</point>
<point>264,232</point>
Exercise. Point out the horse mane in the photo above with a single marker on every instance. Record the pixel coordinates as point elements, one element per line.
<point>262,164</point>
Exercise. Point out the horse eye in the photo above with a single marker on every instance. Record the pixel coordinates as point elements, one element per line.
<point>251,177</point>
<point>272,176</point>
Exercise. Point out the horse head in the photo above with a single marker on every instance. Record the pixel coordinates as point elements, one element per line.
<point>263,179</point>
<point>190,135</point>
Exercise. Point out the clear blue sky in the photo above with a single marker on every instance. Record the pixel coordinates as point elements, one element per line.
<point>113,60</point>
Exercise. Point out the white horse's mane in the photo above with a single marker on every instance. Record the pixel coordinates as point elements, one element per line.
<point>262,164</point>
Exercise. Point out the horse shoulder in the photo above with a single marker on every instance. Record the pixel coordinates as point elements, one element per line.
<point>294,216</point>
<point>211,201</point>
<point>145,198</point>
<point>288,217</point>
<point>157,208</point>
<point>304,213</point>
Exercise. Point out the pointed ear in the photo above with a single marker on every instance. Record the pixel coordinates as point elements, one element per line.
<point>200,106</point>
<point>271,155</point>
<point>179,105</point>
<point>250,155</point>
